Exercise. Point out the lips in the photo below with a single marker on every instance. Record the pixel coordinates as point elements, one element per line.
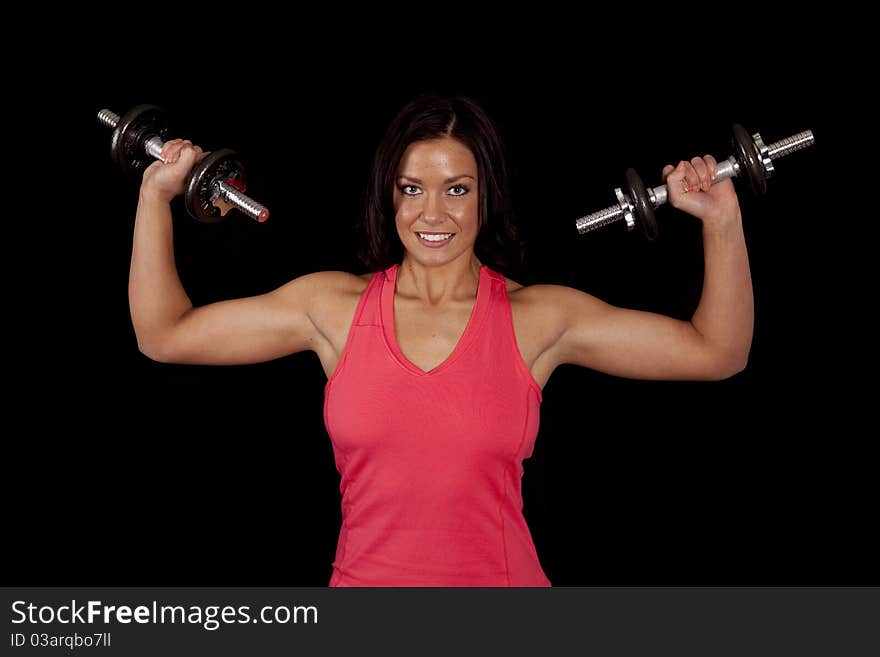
<point>436,244</point>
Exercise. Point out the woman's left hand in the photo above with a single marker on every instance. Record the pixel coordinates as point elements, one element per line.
<point>689,188</point>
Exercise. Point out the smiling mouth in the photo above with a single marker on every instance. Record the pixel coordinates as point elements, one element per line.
<point>434,239</point>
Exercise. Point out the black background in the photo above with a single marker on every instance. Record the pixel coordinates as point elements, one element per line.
<point>130,472</point>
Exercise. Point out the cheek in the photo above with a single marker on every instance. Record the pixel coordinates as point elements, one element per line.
<point>467,214</point>
<point>405,211</point>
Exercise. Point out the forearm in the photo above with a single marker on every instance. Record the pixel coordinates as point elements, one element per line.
<point>725,315</point>
<point>156,296</point>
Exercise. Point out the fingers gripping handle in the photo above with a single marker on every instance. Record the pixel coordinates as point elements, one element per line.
<point>726,169</point>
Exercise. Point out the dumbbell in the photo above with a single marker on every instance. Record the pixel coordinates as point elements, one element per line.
<point>751,158</point>
<point>138,137</point>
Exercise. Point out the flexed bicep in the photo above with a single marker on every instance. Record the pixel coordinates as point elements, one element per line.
<point>246,330</point>
<point>630,343</point>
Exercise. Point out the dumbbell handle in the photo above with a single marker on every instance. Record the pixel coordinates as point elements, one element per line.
<point>728,168</point>
<point>224,191</point>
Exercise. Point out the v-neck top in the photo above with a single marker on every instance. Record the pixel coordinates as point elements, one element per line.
<point>431,462</point>
<point>478,315</point>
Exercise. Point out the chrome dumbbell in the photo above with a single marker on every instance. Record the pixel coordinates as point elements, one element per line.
<point>138,137</point>
<point>751,158</point>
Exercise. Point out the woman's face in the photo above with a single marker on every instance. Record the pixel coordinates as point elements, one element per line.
<point>436,192</point>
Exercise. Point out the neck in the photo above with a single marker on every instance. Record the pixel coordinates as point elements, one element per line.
<point>438,284</point>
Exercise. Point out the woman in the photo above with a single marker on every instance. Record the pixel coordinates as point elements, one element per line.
<point>435,361</point>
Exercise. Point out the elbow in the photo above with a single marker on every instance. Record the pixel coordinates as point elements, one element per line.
<point>150,351</point>
<point>729,367</point>
<point>154,350</point>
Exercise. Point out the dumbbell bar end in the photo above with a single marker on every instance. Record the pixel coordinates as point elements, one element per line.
<point>244,203</point>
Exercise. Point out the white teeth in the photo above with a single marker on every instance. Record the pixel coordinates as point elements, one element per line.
<point>435,238</point>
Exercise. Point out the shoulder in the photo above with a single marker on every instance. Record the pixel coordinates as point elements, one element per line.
<point>334,296</point>
<point>540,312</point>
<point>545,299</point>
<point>333,283</point>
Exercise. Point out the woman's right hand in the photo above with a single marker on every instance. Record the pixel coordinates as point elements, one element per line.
<point>165,180</point>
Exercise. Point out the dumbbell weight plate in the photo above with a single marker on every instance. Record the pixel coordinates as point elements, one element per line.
<point>641,201</point>
<point>220,165</point>
<point>749,159</point>
<point>135,128</point>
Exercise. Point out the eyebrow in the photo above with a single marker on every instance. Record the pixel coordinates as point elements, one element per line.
<point>445,182</point>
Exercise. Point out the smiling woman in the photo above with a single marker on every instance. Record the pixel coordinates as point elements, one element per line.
<point>434,212</point>
<point>445,152</point>
<point>436,361</point>
<point>431,408</point>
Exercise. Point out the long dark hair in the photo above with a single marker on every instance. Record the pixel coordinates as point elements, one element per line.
<point>430,116</point>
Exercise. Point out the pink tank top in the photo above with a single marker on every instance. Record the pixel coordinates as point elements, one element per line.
<point>431,462</point>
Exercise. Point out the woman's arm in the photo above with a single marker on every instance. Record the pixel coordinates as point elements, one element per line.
<point>167,326</point>
<point>642,345</point>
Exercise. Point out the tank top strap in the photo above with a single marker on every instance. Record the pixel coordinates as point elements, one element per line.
<point>502,334</point>
<point>367,313</point>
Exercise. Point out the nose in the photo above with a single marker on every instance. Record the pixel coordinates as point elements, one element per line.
<point>432,210</point>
